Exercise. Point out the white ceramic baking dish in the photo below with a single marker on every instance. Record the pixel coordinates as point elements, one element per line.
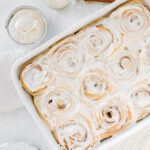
<point>27,99</point>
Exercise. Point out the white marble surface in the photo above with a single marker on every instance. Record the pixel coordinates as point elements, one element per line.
<point>17,125</point>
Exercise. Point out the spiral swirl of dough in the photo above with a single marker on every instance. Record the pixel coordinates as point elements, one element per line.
<point>112,116</point>
<point>55,102</point>
<point>124,67</point>
<point>68,58</point>
<point>134,19</point>
<point>75,134</point>
<point>102,41</point>
<point>94,85</point>
<point>36,76</point>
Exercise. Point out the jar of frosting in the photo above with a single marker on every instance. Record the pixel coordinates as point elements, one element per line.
<point>26,25</point>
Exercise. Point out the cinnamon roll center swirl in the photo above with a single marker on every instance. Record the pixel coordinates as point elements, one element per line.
<point>111,114</point>
<point>101,39</point>
<point>35,77</point>
<point>94,85</point>
<point>68,58</point>
<point>60,101</point>
<point>125,63</point>
<point>134,20</point>
<point>77,133</point>
<point>125,68</point>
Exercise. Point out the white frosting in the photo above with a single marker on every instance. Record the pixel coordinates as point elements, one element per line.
<point>133,19</point>
<point>68,58</point>
<point>102,39</point>
<point>102,74</point>
<point>26,26</point>
<point>112,115</point>
<point>77,134</point>
<point>124,66</point>
<point>38,75</point>
<point>139,98</point>
<point>94,84</point>
<point>58,101</point>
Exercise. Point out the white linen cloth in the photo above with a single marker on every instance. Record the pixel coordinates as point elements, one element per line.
<point>9,99</point>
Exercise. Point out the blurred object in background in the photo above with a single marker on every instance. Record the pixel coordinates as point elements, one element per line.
<point>58,4</point>
<point>107,1</point>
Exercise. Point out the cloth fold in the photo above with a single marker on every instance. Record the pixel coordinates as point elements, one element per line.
<point>9,99</point>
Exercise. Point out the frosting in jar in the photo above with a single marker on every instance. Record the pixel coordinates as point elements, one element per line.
<point>26,26</point>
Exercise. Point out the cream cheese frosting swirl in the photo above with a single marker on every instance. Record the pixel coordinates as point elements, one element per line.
<point>112,116</point>
<point>75,134</point>
<point>134,19</point>
<point>56,102</point>
<point>95,85</point>
<point>124,66</point>
<point>102,40</point>
<point>68,58</point>
<point>36,76</point>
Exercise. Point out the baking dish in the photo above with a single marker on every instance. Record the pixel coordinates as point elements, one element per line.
<point>26,98</point>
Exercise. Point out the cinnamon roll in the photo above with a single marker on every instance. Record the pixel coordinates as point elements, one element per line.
<point>57,101</point>
<point>134,19</point>
<point>75,134</point>
<point>36,76</point>
<point>68,57</point>
<point>102,40</point>
<point>112,116</point>
<point>124,66</point>
<point>140,99</point>
<point>94,85</point>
